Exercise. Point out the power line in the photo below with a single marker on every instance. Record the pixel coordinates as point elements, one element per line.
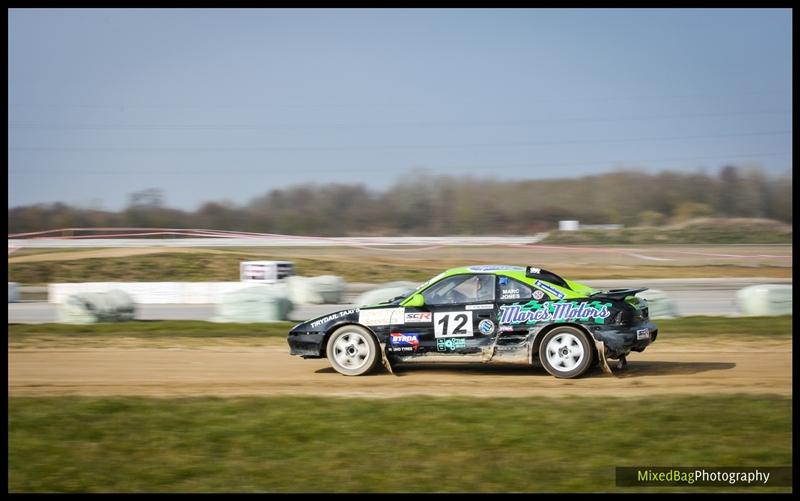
<point>228,149</point>
<point>544,99</point>
<point>489,168</point>
<point>23,125</point>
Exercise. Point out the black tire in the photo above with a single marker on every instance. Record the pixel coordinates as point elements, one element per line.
<point>565,352</point>
<point>352,350</point>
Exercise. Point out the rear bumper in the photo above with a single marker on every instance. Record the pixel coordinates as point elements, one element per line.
<point>619,340</point>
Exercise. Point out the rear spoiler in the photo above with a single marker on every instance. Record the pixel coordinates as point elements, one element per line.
<point>617,294</point>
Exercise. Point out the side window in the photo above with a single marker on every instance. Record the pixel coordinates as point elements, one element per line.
<point>511,289</point>
<point>461,289</point>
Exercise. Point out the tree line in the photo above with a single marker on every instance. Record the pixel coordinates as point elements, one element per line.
<point>425,204</point>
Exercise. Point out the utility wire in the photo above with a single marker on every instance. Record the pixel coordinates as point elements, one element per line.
<point>119,126</point>
<point>530,99</point>
<point>156,149</point>
<point>488,168</point>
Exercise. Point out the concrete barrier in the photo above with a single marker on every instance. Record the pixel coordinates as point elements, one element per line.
<point>259,303</point>
<point>13,292</point>
<point>660,304</point>
<point>384,292</point>
<point>765,300</point>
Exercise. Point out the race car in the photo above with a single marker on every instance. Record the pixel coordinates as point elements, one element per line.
<point>487,314</point>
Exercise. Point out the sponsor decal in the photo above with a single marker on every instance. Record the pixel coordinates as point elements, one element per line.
<point>643,334</point>
<point>533,270</point>
<point>486,327</point>
<point>479,306</point>
<point>554,312</point>
<point>452,324</point>
<point>505,328</point>
<point>549,289</point>
<point>450,344</point>
<point>537,294</point>
<point>418,317</point>
<point>509,294</point>
<point>333,316</point>
<point>400,340</point>
<point>503,280</point>
<point>381,316</point>
<point>495,267</point>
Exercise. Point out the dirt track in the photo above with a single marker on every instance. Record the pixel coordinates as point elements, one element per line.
<point>228,370</point>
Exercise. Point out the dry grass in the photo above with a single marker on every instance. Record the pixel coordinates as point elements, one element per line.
<point>377,265</point>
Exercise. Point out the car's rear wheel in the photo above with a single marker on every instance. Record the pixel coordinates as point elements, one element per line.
<point>352,350</point>
<point>565,352</point>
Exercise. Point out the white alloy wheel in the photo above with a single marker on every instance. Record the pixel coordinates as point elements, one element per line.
<point>565,352</point>
<point>352,350</point>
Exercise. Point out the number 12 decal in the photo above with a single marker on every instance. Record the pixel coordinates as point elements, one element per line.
<point>453,324</point>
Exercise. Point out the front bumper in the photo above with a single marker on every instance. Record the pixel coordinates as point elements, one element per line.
<point>621,340</point>
<point>306,344</point>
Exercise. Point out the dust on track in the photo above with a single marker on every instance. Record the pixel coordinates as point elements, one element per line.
<point>196,368</point>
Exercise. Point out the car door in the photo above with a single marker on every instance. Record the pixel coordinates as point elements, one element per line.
<point>514,296</point>
<point>457,317</point>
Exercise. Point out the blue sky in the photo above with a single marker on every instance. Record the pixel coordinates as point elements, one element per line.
<point>228,104</point>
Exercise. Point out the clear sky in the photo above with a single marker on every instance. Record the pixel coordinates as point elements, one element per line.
<point>210,104</point>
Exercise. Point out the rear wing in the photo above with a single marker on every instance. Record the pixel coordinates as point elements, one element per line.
<point>617,294</point>
<point>547,276</point>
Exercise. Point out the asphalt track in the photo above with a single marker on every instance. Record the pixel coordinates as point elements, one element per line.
<point>192,367</point>
<point>691,296</point>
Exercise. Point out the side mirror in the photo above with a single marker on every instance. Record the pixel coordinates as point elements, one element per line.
<point>415,300</point>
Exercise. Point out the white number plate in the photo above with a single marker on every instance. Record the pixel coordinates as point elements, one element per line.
<point>643,334</point>
<point>453,324</point>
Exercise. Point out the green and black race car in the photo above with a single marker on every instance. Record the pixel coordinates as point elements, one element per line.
<point>489,313</point>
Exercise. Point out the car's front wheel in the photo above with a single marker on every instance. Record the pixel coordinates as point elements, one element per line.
<point>565,352</point>
<point>352,350</point>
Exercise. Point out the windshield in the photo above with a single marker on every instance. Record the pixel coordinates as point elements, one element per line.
<point>422,286</point>
<point>418,288</point>
<point>401,296</point>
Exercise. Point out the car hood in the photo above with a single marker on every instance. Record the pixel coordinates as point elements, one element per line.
<point>324,322</point>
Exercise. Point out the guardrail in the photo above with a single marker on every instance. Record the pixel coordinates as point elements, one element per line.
<point>131,237</point>
<point>272,242</point>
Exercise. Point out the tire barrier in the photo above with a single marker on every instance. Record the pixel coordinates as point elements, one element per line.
<point>94,307</point>
<point>765,300</point>
<point>660,304</point>
<point>13,292</point>
<point>384,292</point>
<point>324,289</point>
<point>260,303</point>
<point>151,292</point>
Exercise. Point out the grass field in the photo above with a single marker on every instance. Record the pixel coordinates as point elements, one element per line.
<point>381,265</point>
<point>294,444</point>
<point>703,231</point>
